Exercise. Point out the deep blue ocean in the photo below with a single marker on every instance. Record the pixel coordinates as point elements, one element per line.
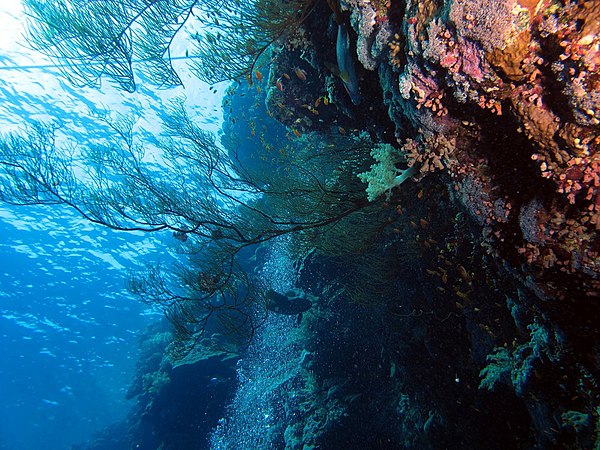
<point>69,329</point>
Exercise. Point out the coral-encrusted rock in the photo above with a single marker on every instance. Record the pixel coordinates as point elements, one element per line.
<point>531,64</point>
<point>373,29</point>
<point>510,59</point>
<point>497,104</point>
<point>538,123</point>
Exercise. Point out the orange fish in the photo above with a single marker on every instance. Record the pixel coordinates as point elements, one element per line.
<point>278,85</point>
<point>258,75</point>
<point>300,73</point>
<point>296,132</point>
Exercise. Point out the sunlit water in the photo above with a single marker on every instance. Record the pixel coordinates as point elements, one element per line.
<point>68,327</point>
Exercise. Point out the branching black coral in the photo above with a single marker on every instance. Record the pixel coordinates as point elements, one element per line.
<point>240,32</point>
<point>195,189</point>
<point>95,38</point>
<point>114,38</point>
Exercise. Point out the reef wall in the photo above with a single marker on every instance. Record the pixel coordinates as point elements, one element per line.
<point>496,104</point>
<point>470,320</point>
<point>499,97</point>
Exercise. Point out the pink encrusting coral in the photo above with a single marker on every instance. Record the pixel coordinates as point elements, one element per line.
<point>526,68</point>
<point>502,97</point>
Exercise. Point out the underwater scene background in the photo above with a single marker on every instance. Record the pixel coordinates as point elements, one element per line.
<point>300,224</point>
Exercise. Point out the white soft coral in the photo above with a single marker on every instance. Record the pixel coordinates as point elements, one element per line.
<point>384,175</point>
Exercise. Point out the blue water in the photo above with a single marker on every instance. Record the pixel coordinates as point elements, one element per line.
<point>69,329</point>
<point>68,326</point>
